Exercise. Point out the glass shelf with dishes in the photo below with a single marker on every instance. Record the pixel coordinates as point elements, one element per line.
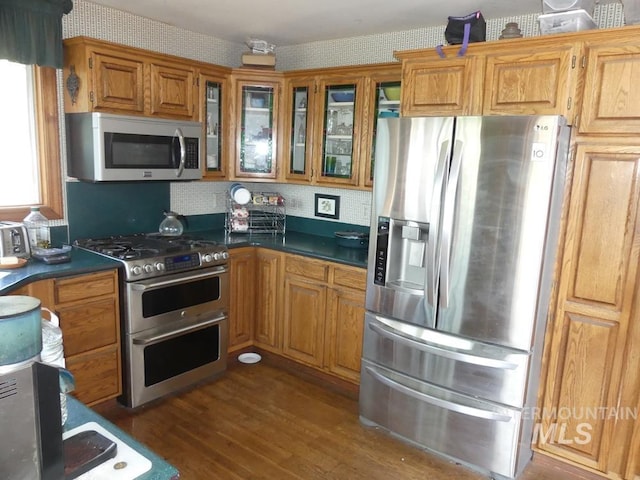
<point>299,129</point>
<point>256,131</point>
<point>387,106</point>
<point>340,110</point>
<point>213,115</point>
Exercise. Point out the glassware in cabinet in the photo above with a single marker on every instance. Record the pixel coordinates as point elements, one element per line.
<point>213,116</point>
<point>300,119</point>
<point>338,160</point>
<point>257,142</point>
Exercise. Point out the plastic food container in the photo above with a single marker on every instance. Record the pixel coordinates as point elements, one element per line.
<point>53,255</point>
<point>562,22</point>
<point>20,329</point>
<point>554,6</point>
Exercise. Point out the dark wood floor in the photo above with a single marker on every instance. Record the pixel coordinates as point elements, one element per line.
<point>261,422</point>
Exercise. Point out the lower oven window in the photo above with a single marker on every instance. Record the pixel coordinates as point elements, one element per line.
<point>181,354</point>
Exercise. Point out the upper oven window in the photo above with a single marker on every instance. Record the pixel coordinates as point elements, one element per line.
<point>182,295</point>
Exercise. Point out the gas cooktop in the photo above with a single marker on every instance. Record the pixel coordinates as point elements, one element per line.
<point>152,255</point>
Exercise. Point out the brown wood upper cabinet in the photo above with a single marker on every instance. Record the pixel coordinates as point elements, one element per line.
<point>256,122</point>
<point>105,77</point>
<point>440,86</point>
<point>538,80</point>
<point>513,77</point>
<point>214,94</point>
<point>328,141</point>
<point>612,98</point>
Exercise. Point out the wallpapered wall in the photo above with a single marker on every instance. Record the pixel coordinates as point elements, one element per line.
<point>196,198</point>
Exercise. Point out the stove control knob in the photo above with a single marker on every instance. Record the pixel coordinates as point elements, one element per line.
<point>160,266</point>
<point>225,255</point>
<point>136,269</point>
<point>216,256</point>
<point>206,258</point>
<point>148,268</point>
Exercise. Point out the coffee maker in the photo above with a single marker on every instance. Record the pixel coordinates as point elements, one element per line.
<point>31,440</point>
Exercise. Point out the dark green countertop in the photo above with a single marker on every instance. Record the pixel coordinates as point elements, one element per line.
<point>79,414</point>
<point>324,248</point>
<point>316,246</point>
<point>81,262</point>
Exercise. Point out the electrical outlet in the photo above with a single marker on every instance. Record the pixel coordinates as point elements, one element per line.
<point>366,211</point>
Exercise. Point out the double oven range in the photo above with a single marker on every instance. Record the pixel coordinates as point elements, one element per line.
<point>175,298</point>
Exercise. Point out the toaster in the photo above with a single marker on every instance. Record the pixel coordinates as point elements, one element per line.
<point>14,241</point>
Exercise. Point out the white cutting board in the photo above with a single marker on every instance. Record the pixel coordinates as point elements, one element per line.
<point>136,463</point>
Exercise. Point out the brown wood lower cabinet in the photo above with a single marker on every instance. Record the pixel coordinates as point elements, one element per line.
<point>592,382</point>
<point>89,311</point>
<point>305,309</point>
<point>323,315</point>
<point>242,272</point>
<point>268,325</point>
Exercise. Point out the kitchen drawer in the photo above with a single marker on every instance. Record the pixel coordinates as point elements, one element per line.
<point>85,286</point>
<point>474,431</point>
<point>350,277</point>
<point>309,268</point>
<point>97,375</point>
<point>89,325</point>
<point>480,370</point>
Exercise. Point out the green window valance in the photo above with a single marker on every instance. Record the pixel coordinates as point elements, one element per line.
<point>31,31</point>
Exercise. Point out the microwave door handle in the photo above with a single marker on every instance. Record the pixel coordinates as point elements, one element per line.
<point>448,217</point>
<point>183,152</point>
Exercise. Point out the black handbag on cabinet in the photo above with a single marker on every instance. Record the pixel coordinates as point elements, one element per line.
<point>464,30</point>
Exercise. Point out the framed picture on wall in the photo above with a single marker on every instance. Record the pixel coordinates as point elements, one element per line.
<point>327,206</point>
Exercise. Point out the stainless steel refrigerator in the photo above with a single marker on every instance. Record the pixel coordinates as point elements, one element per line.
<point>464,233</point>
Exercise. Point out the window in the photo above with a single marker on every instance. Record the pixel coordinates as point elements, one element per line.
<point>29,133</point>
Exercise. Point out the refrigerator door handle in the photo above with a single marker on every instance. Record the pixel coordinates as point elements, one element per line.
<point>439,402</point>
<point>447,221</point>
<point>433,254</point>
<point>442,351</point>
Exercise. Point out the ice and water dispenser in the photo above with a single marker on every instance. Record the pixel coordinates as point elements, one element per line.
<point>401,248</point>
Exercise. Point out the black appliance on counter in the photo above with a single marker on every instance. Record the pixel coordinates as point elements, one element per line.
<point>31,441</point>
<point>175,299</point>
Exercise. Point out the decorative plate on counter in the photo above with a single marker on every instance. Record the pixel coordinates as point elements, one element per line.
<point>12,262</point>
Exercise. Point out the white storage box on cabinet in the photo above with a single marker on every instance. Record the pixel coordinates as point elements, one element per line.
<point>563,22</point>
<point>554,6</point>
<point>631,11</point>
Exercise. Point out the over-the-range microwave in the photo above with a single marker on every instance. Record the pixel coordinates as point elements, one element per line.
<point>105,147</point>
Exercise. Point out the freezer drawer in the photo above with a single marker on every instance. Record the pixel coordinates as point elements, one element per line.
<point>491,372</point>
<point>479,434</point>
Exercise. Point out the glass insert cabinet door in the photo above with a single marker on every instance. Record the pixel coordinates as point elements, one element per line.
<point>338,159</point>
<point>299,154</point>
<point>387,105</point>
<point>213,127</point>
<point>256,135</point>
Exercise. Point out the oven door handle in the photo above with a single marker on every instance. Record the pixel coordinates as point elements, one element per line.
<point>177,333</point>
<point>211,273</point>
